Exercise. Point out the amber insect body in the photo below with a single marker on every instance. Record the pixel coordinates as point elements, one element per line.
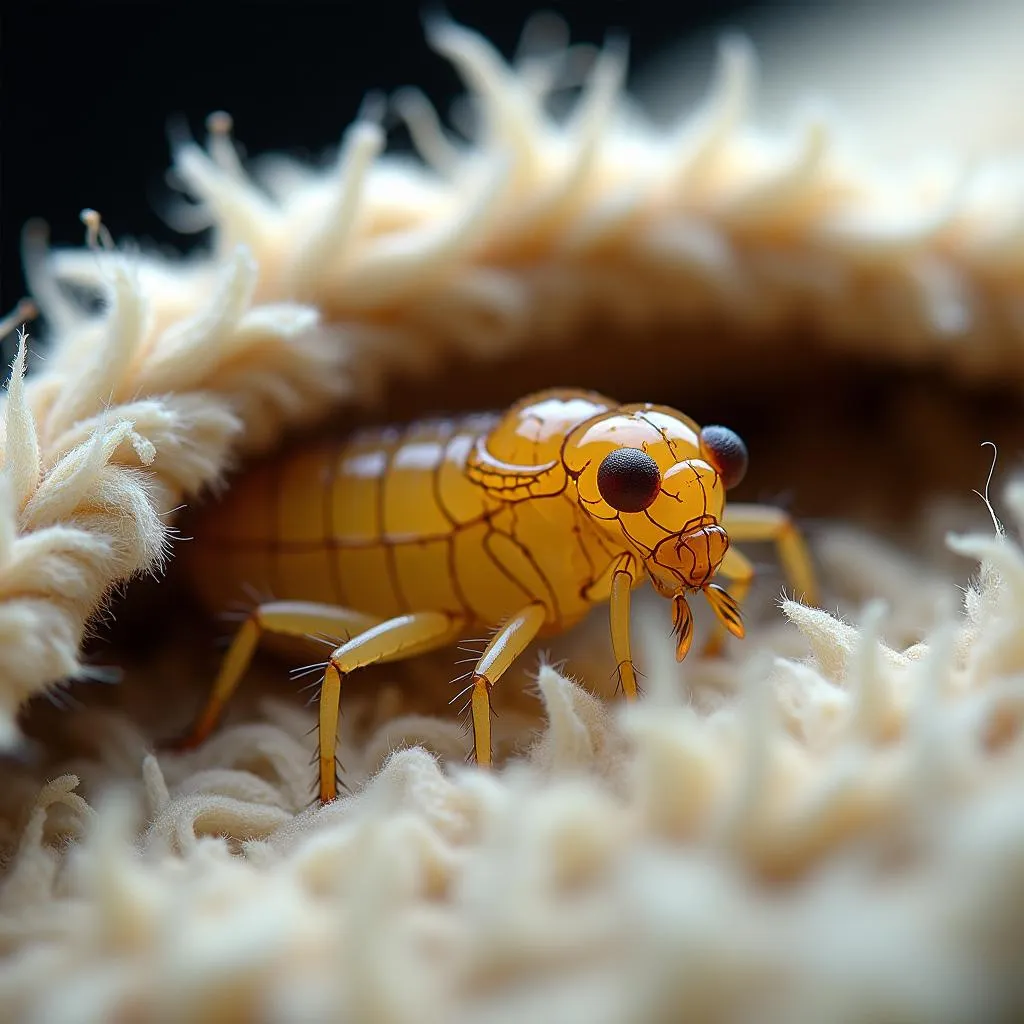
<point>404,540</point>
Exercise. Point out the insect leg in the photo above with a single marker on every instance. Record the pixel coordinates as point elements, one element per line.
<point>287,618</point>
<point>754,523</point>
<point>392,640</point>
<point>738,568</point>
<point>623,580</point>
<point>508,643</point>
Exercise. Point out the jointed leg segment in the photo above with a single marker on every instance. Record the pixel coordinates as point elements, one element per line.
<point>623,579</point>
<point>283,618</point>
<point>369,640</point>
<point>754,524</point>
<point>508,643</point>
<point>405,636</point>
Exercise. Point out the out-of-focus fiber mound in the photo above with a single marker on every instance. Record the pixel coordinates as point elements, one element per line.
<point>825,825</point>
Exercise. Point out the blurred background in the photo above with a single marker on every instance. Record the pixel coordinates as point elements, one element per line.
<point>88,90</point>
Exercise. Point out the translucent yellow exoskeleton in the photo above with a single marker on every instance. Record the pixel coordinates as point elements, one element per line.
<point>404,540</point>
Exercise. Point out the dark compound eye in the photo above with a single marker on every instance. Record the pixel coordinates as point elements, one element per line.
<point>628,479</point>
<point>725,450</point>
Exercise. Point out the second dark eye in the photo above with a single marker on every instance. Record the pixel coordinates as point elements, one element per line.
<point>628,479</point>
<point>725,450</point>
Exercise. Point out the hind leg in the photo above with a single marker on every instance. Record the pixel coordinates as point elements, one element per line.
<point>284,618</point>
<point>752,524</point>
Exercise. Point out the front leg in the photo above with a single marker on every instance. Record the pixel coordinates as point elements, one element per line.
<point>623,581</point>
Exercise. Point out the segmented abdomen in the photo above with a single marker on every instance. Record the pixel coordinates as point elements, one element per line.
<point>384,522</point>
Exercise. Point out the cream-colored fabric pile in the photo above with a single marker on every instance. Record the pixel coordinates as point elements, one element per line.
<point>826,825</point>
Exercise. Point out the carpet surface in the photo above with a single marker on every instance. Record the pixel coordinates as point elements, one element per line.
<point>825,824</point>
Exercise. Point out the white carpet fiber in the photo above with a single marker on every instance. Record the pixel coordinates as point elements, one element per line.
<point>825,825</point>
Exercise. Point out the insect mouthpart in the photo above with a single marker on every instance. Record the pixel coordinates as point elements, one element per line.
<point>695,554</point>
<point>723,604</point>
